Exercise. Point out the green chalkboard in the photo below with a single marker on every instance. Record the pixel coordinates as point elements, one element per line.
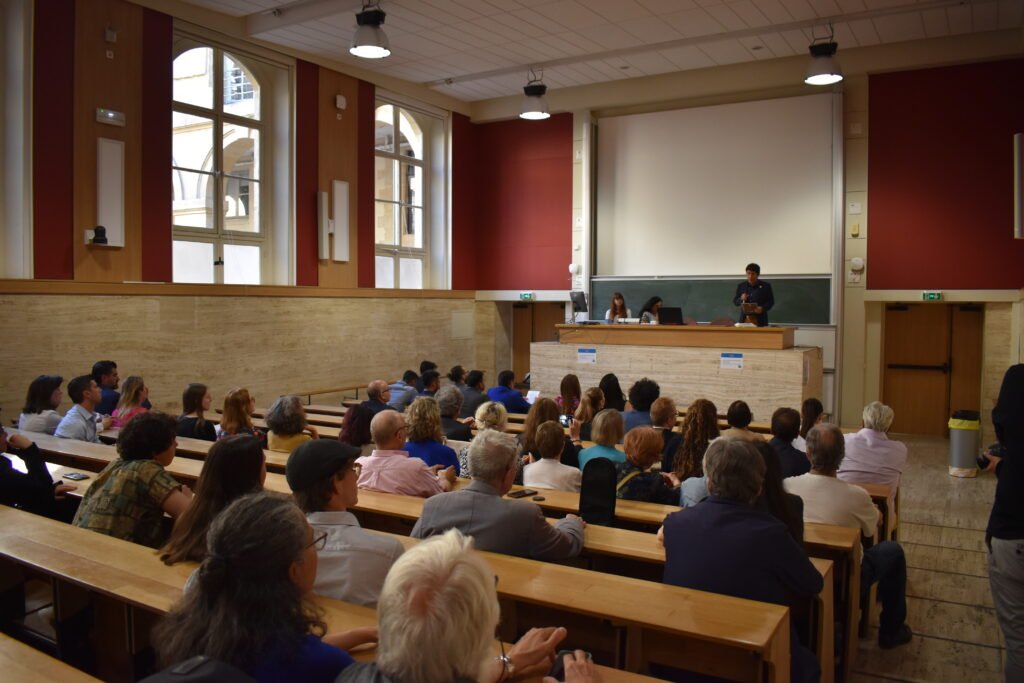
<point>798,300</point>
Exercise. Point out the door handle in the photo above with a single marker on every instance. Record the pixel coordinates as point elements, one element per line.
<point>945,367</point>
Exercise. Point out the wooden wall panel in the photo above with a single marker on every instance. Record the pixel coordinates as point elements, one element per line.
<point>339,161</point>
<point>114,83</point>
<point>997,356</point>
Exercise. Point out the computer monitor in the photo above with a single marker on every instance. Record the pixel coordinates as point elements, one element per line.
<point>670,315</point>
<point>579,302</point>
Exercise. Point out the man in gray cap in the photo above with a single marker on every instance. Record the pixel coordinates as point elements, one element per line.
<point>352,562</point>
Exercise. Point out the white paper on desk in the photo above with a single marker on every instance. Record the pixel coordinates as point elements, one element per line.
<point>532,395</point>
<point>731,361</point>
<point>586,356</point>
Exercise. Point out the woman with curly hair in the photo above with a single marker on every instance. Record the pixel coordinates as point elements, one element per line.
<point>288,427</point>
<point>700,428</point>
<point>426,439</point>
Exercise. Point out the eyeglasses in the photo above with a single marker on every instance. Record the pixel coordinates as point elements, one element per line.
<point>319,542</point>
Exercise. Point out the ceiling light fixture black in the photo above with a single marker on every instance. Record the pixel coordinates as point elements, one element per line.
<point>824,69</point>
<point>369,40</point>
<point>534,108</point>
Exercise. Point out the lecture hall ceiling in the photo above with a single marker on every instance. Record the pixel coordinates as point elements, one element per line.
<point>481,49</point>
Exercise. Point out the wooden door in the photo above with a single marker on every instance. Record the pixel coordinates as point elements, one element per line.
<point>965,352</point>
<point>916,375</point>
<point>545,316</point>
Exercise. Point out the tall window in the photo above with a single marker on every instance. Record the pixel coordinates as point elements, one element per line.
<point>218,136</point>
<point>402,202</point>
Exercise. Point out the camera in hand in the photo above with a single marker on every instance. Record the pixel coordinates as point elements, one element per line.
<point>565,420</point>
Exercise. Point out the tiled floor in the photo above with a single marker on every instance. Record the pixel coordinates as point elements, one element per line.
<point>942,522</point>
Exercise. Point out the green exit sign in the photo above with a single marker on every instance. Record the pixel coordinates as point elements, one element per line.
<point>527,296</point>
<point>931,296</point>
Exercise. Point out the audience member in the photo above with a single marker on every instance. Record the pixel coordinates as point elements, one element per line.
<point>237,416</point>
<point>871,457</point>
<point>355,428</point>
<point>664,415</point>
<point>378,393</point>
<point>827,500</point>
<point>607,431</point>
<point>286,419</point>
<point>811,413</point>
<point>438,613</point>
<point>391,470</point>
<point>352,563</point>
<point>1005,533</point>
<point>449,402</point>
<point>785,507</point>
<point>700,427</point>
<point>512,527</point>
<point>506,395</point>
<point>785,428</point>
<point>649,312</point>
<point>234,467</point>
<point>134,393</point>
<point>725,545</point>
<point>34,489</point>
<point>80,421</point>
<point>129,497</point>
<point>569,396</point>
<point>642,396</point>
<point>192,424</point>
<point>548,472</point>
<point>404,391</point>
<point>249,606</point>
<point>545,410</point>
<point>425,366</point>
<point>489,415</point>
<point>41,403</point>
<point>591,404</point>
<point>107,379</point>
<point>613,396</point>
<point>431,381</point>
<point>474,394</point>
<point>425,439</point>
<point>635,480</point>
<point>739,418</point>
<point>457,376</point>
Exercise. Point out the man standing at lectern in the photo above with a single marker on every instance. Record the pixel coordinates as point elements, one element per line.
<point>754,290</point>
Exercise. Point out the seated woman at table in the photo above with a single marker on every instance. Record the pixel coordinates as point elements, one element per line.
<point>41,403</point>
<point>612,390</point>
<point>355,428</point>
<point>739,418</point>
<point>650,310</point>
<point>608,430</point>
<point>425,439</point>
<point>33,490</point>
<point>548,472</point>
<point>250,604</point>
<point>192,424</point>
<point>490,415</point>
<point>700,428</point>
<point>570,392</point>
<point>128,499</point>
<point>591,404</point>
<point>544,410</point>
<point>234,467</point>
<point>618,310</point>
<point>286,419</point>
<point>812,412</point>
<point>237,416</point>
<point>635,480</point>
<point>788,508</point>
<point>134,393</point>
<point>449,403</point>
<point>438,613</point>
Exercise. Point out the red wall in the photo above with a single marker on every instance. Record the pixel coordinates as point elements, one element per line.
<point>940,177</point>
<point>365,210</point>
<point>307,163</point>
<point>512,204</point>
<point>157,192</point>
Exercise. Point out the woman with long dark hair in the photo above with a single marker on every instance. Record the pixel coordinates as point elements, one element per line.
<point>613,396</point>
<point>650,310</point>
<point>811,413</point>
<point>355,428</point>
<point>785,507</point>
<point>195,401</point>
<point>570,393</point>
<point>618,309</point>
<point>40,411</point>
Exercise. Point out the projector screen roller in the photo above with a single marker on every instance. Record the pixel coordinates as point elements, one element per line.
<point>706,190</point>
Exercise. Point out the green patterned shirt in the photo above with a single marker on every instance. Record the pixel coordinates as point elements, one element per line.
<point>126,501</point>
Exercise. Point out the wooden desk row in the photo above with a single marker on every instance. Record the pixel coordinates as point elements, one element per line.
<point>23,664</point>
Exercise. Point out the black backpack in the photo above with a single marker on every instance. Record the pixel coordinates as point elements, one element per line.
<point>597,492</point>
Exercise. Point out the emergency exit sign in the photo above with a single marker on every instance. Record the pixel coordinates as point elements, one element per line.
<point>526,296</point>
<point>931,296</point>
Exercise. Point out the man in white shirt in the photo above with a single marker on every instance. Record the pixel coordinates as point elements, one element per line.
<point>549,472</point>
<point>353,562</point>
<point>80,422</point>
<point>871,457</point>
<point>827,500</point>
<point>391,470</point>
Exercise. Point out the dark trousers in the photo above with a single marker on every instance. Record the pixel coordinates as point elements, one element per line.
<point>886,564</point>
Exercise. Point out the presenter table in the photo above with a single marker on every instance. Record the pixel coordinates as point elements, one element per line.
<point>759,365</point>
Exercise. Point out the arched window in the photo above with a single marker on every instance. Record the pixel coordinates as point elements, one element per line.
<point>220,233</point>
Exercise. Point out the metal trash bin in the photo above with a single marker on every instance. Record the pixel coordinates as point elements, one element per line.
<point>964,437</point>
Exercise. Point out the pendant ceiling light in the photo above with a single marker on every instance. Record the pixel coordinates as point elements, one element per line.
<point>370,41</point>
<point>534,108</point>
<point>824,69</point>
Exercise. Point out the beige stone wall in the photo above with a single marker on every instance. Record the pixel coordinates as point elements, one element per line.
<point>270,345</point>
<point>997,355</point>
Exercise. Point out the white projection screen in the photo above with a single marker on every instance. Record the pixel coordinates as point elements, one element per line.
<point>706,190</point>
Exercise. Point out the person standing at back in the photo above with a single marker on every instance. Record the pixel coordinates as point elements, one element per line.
<point>755,291</point>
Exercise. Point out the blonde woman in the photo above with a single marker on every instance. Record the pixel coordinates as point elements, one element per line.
<point>490,415</point>
<point>134,393</point>
<point>608,430</point>
<point>590,405</point>
<point>426,440</point>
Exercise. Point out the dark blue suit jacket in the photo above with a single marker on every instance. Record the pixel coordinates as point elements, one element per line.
<point>793,460</point>
<point>760,294</point>
<point>511,398</point>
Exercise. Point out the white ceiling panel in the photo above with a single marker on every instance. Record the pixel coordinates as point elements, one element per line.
<point>609,36</point>
<point>694,22</point>
<point>899,27</point>
<point>799,9</point>
<point>865,32</point>
<point>747,11</point>
<point>663,7</point>
<point>618,11</point>
<point>650,63</point>
<point>726,52</point>
<point>687,57</point>
<point>724,15</point>
<point>651,29</point>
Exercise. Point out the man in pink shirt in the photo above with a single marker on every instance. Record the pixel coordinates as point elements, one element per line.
<point>390,469</point>
<point>871,458</point>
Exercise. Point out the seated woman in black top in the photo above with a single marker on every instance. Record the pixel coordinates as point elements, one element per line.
<point>613,396</point>
<point>636,482</point>
<point>785,507</point>
<point>194,404</point>
<point>33,490</point>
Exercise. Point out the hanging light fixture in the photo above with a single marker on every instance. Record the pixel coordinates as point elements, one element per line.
<point>370,41</point>
<point>824,69</point>
<point>534,108</point>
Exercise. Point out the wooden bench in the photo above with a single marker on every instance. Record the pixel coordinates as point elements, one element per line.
<point>888,502</point>
<point>23,664</point>
<point>310,393</point>
<point>326,409</point>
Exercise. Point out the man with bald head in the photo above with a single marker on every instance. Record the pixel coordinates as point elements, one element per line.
<point>827,500</point>
<point>391,470</point>
<point>378,393</point>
